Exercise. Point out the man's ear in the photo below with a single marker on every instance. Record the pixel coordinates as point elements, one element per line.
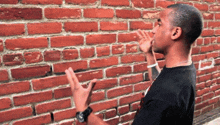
<point>176,33</point>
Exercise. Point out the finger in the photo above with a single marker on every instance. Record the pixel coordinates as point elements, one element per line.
<point>139,34</point>
<point>143,34</point>
<point>75,79</point>
<point>91,85</point>
<point>70,79</point>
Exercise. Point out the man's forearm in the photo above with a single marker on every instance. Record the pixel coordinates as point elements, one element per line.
<point>95,120</point>
<point>153,72</point>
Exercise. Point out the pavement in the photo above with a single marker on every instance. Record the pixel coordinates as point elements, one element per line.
<point>213,122</point>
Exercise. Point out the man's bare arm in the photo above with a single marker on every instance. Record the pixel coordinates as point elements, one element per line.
<point>95,120</point>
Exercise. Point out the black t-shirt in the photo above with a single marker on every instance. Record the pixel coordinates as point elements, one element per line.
<point>171,98</point>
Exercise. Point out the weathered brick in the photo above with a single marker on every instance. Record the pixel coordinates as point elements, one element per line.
<point>110,113</point>
<point>82,2</point>
<point>115,2</point>
<point>32,97</point>
<point>62,13</point>
<point>140,67</point>
<point>133,14</point>
<point>69,54</point>
<point>20,13</point>
<point>116,71</point>
<point>104,62</point>
<point>111,26</point>
<point>142,86</point>
<point>128,117</point>
<point>13,59</point>
<point>117,49</point>
<point>16,113</point>
<point>28,72</point>
<point>65,114</point>
<point>1,46</point>
<point>81,26</point>
<point>104,105</point>
<point>163,4</point>
<point>61,41</point>
<point>49,82</point>
<point>131,79</point>
<point>103,51</point>
<point>104,84</point>
<point>97,96</point>
<point>134,106</point>
<point>5,103</point>
<point>140,25</point>
<point>202,7</point>
<point>119,91</point>
<point>217,15</point>
<point>98,13</point>
<point>207,32</point>
<point>14,87</point>
<point>3,75</point>
<point>100,39</point>
<point>113,121</point>
<point>208,16</point>
<point>214,24</point>
<point>132,48</point>
<point>202,92</point>
<point>40,119</point>
<point>127,37</point>
<point>8,1</point>
<point>133,58</point>
<point>62,92</point>
<point>33,57</point>
<point>78,65</point>
<point>89,75</point>
<point>151,14</point>
<point>11,29</point>
<point>214,8</point>
<point>52,55</point>
<point>41,1</point>
<point>123,109</point>
<point>26,43</point>
<point>44,28</point>
<point>87,52</point>
<point>130,98</point>
<point>53,105</point>
<point>143,3</point>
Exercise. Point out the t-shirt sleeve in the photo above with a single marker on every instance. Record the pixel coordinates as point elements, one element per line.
<point>156,112</point>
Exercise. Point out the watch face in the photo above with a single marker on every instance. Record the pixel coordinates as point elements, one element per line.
<point>80,117</point>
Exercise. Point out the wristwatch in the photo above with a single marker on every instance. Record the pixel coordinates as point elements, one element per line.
<point>82,116</point>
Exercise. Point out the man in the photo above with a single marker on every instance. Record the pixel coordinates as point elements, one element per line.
<point>171,98</point>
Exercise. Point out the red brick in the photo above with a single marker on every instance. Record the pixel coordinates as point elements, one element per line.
<point>104,62</point>
<point>89,75</point>
<point>117,49</point>
<point>41,1</point>
<point>207,96</point>
<point>15,87</point>
<point>66,114</point>
<point>195,50</point>
<point>214,24</point>
<point>217,15</point>
<point>54,105</point>
<point>53,55</point>
<point>199,41</point>
<point>131,48</point>
<point>140,67</point>
<point>42,119</point>
<point>111,26</point>
<point>140,25</point>
<point>205,77</point>
<point>1,46</point>
<point>130,98</point>
<point>202,7</point>
<point>134,106</point>
<point>128,14</point>
<point>207,109</point>
<point>103,51</point>
<point>198,100</point>
<point>97,96</point>
<point>215,87</point>
<point>164,4</point>
<point>66,41</point>
<point>110,113</point>
<point>104,84</point>
<point>62,13</point>
<point>69,122</point>
<point>151,14</point>
<point>26,43</point>
<point>3,75</point>
<point>81,26</point>
<point>202,92</point>
<point>127,37</point>
<point>132,58</point>
<point>49,82</point>
<point>78,65</point>
<point>208,16</point>
<point>200,86</point>
<point>207,41</point>
<point>113,121</point>
<point>33,57</point>
<point>128,117</point>
<point>11,29</point>
<point>32,98</point>
<point>119,91</point>
<point>87,52</point>
<point>69,54</point>
<point>142,86</point>
<point>131,79</point>
<point>115,2</point>
<point>8,1</point>
<point>143,3</point>
<point>98,13</point>
<point>28,72</point>
<point>209,1</point>
<point>62,92</point>
<point>5,103</point>
<point>13,59</point>
<point>104,105</point>
<point>82,2</point>
<point>16,113</point>
<point>100,39</point>
<point>20,13</point>
<point>123,109</point>
<point>207,32</point>
<point>44,28</point>
<point>214,8</point>
<point>217,92</point>
<point>116,71</point>
<point>206,49</point>
<point>198,57</point>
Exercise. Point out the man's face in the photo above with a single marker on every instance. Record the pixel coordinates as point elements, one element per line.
<point>162,33</point>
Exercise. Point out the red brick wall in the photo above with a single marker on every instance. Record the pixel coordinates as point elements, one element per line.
<point>39,39</point>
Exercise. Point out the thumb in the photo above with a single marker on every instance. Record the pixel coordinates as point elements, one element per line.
<point>91,85</point>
